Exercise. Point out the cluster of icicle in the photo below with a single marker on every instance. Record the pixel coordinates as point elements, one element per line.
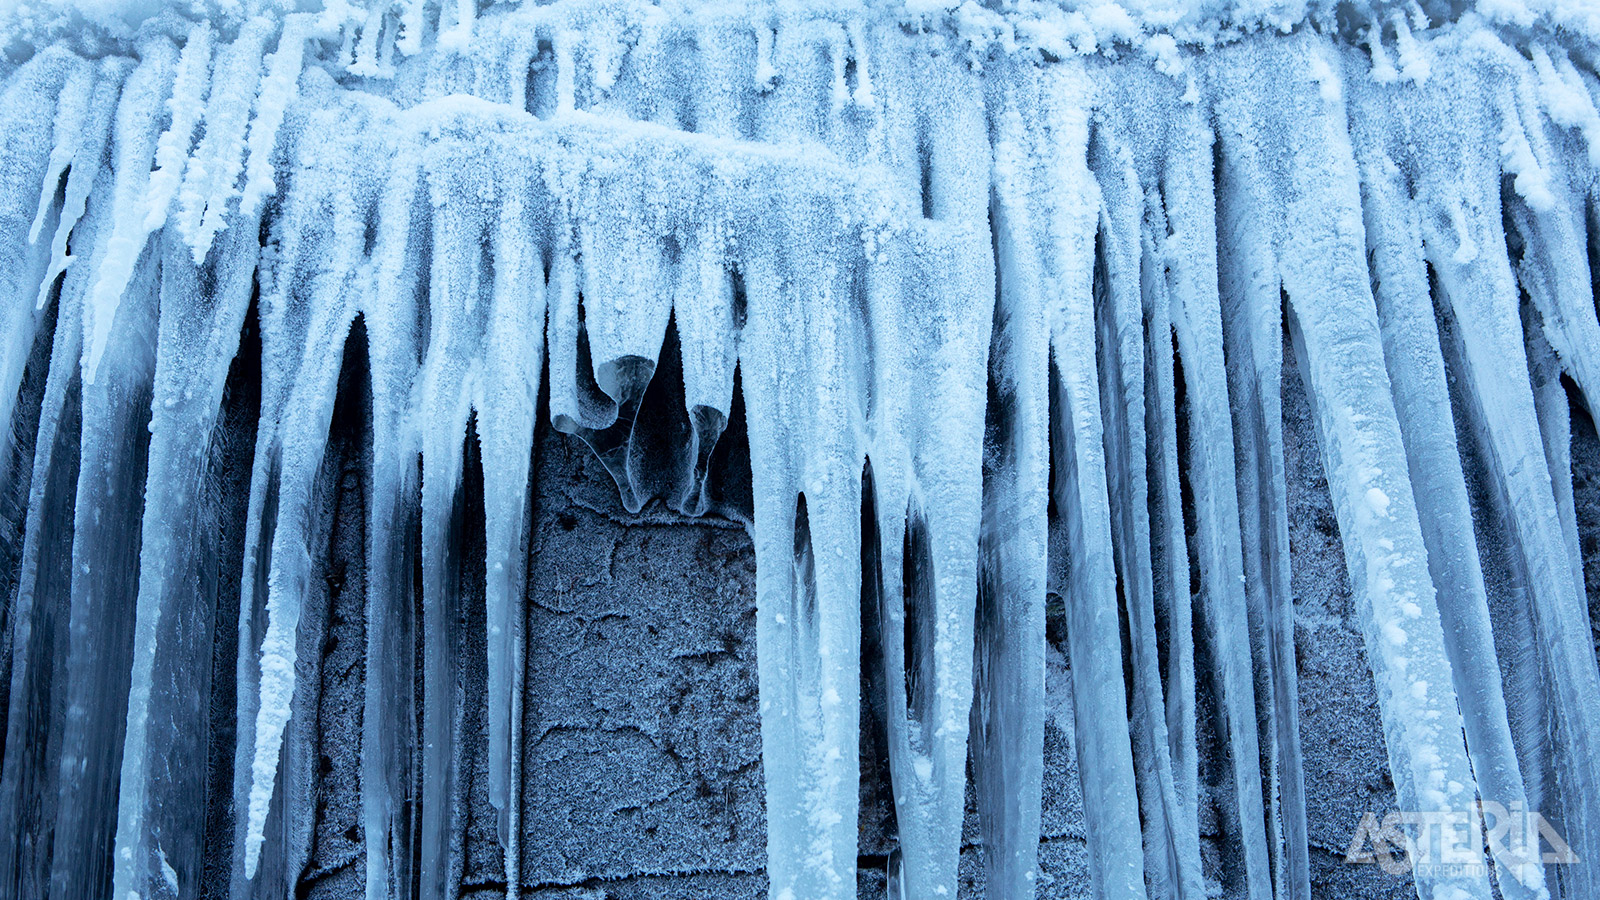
<point>985,279</point>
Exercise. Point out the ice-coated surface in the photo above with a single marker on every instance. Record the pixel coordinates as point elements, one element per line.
<point>982,321</point>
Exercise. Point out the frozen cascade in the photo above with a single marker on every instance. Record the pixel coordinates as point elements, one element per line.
<point>1002,300</point>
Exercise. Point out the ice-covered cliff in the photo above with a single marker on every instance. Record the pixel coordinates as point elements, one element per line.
<point>979,275</point>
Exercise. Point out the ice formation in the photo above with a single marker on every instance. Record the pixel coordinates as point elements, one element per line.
<point>1006,291</point>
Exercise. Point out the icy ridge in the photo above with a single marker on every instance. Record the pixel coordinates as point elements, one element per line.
<point>1163,30</point>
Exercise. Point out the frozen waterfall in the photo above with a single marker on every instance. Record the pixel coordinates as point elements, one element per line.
<point>999,300</point>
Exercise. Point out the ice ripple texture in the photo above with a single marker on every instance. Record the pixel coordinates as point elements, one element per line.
<point>1005,308</point>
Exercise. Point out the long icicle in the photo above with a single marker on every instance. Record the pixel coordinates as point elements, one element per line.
<point>1008,707</point>
<point>1253,344</point>
<point>1338,348</point>
<point>1172,864</point>
<point>1421,397</point>
<point>1197,324</point>
<point>1105,752</point>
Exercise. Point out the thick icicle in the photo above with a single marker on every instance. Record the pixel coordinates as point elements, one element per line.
<point>927,463</point>
<point>163,760</point>
<point>476,301</point>
<point>26,120</point>
<point>1459,174</point>
<point>1197,327</point>
<point>387,729</point>
<point>306,314</point>
<point>506,400</point>
<point>1315,224</point>
<point>1422,402</point>
<point>1253,344</point>
<point>105,570</point>
<point>38,625</point>
<point>1008,709</point>
<point>1062,247</point>
<point>1172,862</point>
<point>802,346</point>
<point>138,123</point>
<point>38,612</point>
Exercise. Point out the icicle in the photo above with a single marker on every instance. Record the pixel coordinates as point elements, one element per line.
<point>190,83</point>
<point>138,122</point>
<point>105,550</point>
<point>86,163</point>
<point>1462,168</point>
<point>389,711</point>
<point>1063,251</point>
<point>1567,100</point>
<point>1531,180</point>
<point>506,408</point>
<point>1172,861</point>
<point>1170,587</point>
<point>706,312</point>
<point>1197,324</point>
<point>1417,380</point>
<point>446,406</point>
<point>275,268</point>
<point>374,31</point>
<point>462,303</point>
<point>38,625</point>
<point>927,469</point>
<point>1554,267</point>
<point>1253,343</point>
<point>1338,348</point>
<point>72,108</point>
<point>1105,754</point>
<point>802,349</point>
<point>1555,427</point>
<point>1009,705</point>
<point>278,90</point>
<point>304,324</point>
<point>27,113</point>
<point>174,629</point>
<point>627,286</point>
<point>211,178</point>
<point>1383,70</point>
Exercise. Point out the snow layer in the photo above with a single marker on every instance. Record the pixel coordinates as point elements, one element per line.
<point>1005,296</point>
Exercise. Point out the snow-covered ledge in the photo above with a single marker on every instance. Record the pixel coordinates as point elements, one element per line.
<point>980,274</point>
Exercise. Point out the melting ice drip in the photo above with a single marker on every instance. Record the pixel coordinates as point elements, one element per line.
<point>969,270</point>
